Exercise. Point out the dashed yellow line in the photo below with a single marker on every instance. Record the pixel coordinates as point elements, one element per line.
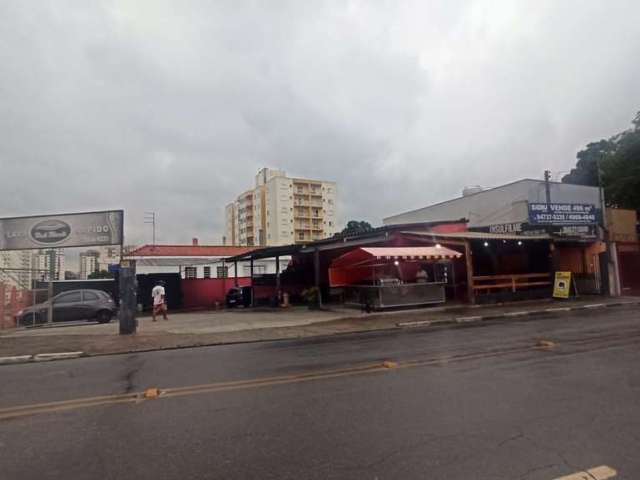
<point>153,393</point>
<point>157,393</point>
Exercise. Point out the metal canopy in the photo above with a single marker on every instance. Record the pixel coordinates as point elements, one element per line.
<point>479,236</point>
<point>267,252</point>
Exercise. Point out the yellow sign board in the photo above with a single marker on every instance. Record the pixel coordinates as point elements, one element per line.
<point>562,285</point>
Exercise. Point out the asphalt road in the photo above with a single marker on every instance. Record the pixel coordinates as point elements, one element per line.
<point>471,402</point>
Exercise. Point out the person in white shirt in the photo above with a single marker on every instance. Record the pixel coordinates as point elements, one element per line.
<point>159,301</point>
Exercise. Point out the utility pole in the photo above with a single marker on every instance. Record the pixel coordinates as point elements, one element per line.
<point>150,217</point>
<point>52,273</point>
<point>547,186</point>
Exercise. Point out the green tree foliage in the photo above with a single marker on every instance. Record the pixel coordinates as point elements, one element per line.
<point>100,274</point>
<point>355,227</point>
<point>619,162</point>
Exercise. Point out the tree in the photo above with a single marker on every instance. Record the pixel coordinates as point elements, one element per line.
<point>619,161</point>
<point>586,170</point>
<point>100,274</point>
<point>355,227</point>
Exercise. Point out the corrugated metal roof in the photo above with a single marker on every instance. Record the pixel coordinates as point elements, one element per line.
<point>480,236</point>
<point>188,251</point>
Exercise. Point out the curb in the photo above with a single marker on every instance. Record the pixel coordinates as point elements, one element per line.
<point>40,357</point>
<point>522,313</point>
<point>15,359</point>
<point>398,326</point>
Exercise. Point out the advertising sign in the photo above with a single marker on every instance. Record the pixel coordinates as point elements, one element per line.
<point>562,213</point>
<point>584,232</point>
<point>506,228</point>
<point>561,285</point>
<point>59,231</point>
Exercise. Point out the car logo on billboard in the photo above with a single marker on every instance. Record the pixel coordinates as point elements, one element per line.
<point>50,232</point>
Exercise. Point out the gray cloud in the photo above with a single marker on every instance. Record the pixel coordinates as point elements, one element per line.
<point>173,106</point>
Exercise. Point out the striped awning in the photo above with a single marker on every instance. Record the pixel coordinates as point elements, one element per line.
<point>412,253</point>
<point>379,255</point>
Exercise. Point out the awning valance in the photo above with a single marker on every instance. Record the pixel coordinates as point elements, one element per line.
<point>375,255</point>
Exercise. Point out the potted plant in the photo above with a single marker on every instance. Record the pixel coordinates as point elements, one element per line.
<point>312,297</point>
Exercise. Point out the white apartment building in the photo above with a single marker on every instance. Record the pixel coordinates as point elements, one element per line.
<point>15,268</point>
<point>281,210</point>
<point>98,259</point>
<point>41,264</point>
<point>88,263</point>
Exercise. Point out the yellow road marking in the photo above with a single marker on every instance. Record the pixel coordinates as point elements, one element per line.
<point>138,397</point>
<point>24,410</point>
<point>596,473</point>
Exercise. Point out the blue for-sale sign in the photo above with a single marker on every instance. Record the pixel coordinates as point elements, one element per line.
<point>562,213</point>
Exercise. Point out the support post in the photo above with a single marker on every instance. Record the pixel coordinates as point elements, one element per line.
<point>251,275</point>
<point>235,272</point>
<point>469,262</point>
<point>2,302</point>
<point>128,300</point>
<point>278,278</point>
<point>316,270</point>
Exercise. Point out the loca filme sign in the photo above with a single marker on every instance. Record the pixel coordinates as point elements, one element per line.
<point>65,230</point>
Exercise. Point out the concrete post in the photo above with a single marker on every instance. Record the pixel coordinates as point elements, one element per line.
<point>128,300</point>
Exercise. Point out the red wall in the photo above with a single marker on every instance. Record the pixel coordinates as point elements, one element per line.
<point>204,292</point>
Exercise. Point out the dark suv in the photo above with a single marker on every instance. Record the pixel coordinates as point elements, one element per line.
<point>71,305</point>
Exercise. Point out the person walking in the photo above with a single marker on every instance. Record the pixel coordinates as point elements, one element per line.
<point>159,301</point>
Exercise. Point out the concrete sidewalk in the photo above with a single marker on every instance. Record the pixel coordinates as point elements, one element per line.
<point>224,327</point>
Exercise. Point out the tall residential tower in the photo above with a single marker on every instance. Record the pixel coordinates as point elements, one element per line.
<point>281,210</point>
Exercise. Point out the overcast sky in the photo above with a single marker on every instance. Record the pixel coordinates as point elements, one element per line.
<point>172,106</point>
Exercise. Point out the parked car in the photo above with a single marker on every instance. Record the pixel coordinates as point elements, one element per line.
<point>238,296</point>
<point>71,305</point>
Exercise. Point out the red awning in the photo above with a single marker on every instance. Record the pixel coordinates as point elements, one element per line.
<point>375,255</point>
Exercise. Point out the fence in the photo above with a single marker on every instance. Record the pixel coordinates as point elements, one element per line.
<point>13,300</point>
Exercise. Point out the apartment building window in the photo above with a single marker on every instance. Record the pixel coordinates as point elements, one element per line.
<point>207,272</point>
<point>190,272</point>
<point>222,272</point>
<point>301,236</point>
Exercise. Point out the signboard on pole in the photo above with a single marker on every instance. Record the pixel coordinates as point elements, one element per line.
<point>562,213</point>
<point>561,285</point>
<point>64,230</point>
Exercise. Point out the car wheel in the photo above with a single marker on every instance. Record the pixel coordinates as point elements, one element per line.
<point>30,319</point>
<point>104,316</point>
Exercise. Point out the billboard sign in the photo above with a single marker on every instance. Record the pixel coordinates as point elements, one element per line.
<point>60,231</point>
<point>562,214</point>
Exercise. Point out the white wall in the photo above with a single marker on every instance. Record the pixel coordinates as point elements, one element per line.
<point>260,266</point>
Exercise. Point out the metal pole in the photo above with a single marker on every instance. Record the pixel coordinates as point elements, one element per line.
<point>278,277</point>
<point>235,271</point>
<point>316,267</point>
<point>251,275</point>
